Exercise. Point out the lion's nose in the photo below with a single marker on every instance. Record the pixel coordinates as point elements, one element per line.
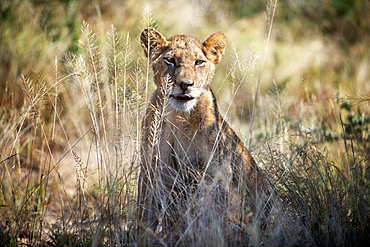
<point>185,85</point>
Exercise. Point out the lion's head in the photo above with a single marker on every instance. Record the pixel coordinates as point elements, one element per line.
<point>187,62</point>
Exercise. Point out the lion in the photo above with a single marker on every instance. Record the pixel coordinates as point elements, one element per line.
<point>187,146</point>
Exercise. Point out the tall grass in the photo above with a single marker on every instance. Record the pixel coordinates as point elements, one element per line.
<point>69,160</point>
<point>102,206</point>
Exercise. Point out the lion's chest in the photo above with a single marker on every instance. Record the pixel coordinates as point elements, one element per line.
<point>182,145</point>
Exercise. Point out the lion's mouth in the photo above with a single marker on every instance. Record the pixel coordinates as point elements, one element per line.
<point>182,96</point>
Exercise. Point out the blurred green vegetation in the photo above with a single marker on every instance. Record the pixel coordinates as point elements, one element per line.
<point>32,33</point>
<point>346,21</point>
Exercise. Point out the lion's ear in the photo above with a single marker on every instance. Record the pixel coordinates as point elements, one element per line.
<point>151,40</point>
<point>214,47</point>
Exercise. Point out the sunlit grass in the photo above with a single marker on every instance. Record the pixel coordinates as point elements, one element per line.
<point>70,132</point>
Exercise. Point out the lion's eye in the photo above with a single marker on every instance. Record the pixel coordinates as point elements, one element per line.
<point>199,62</point>
<point>170,61</point>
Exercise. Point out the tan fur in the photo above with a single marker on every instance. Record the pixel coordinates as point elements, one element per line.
<point>193,137</point>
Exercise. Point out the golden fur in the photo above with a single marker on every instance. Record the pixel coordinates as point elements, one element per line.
<point>183,135</point>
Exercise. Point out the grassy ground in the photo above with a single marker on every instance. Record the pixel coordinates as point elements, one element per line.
<point>294,84</point>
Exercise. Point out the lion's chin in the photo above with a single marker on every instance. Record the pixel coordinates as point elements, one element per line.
<point>183,103</point>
